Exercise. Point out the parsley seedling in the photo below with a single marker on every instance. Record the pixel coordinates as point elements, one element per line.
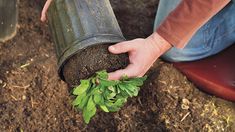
<point>99,92</point>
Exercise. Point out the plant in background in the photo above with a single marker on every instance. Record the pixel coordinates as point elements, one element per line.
<point>108,95</point>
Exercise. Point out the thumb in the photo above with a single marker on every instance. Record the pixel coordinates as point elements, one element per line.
<point>119,48</point>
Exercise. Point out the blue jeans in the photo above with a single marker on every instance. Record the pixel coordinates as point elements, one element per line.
<point>217,34</point>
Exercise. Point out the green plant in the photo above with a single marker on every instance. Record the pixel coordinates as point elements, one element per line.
<point>108,95</point>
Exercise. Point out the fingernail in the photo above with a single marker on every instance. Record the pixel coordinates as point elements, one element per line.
<point>111,48</point>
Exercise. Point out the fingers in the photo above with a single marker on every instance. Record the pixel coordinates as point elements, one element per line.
<point>119,48</point>
<point>44,10</point>
<point>131,71</point>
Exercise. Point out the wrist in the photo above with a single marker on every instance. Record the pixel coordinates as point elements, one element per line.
<point>159,42</point>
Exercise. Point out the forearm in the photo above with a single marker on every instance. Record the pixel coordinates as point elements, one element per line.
<point>183,22</point>
<point>162,44</point>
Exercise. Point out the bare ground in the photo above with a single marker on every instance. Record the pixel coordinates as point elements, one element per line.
<point>33,98</point>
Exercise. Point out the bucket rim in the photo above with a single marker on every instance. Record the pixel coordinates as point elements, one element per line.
<point>79,45</point>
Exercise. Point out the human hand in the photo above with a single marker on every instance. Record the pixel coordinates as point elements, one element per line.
<point>44,10</point>
<point>142,54</point>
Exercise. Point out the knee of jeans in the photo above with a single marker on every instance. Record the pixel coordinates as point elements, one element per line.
<point>170,57</point>
<point>174,55</point>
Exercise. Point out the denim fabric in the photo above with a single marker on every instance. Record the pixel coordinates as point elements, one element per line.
<point>217,34</point>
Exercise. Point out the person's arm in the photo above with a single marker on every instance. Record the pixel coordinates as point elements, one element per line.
<point>183,22</point>
<point>176,30</point>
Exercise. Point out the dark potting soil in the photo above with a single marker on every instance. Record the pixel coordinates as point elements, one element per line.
<point>94,58</point>
<point>34,98</point>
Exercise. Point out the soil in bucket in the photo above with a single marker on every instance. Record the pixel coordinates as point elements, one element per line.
<point>94,58</point>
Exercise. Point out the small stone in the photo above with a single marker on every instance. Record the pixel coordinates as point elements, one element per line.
<point>185,104</point>
<point>4,85</point>
<point>24,97</point>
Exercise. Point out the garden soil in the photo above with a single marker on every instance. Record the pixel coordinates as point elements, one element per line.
<point>34,98</point>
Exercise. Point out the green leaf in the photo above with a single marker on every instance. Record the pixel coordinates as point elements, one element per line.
<point>83,102</point>
<point>136,91</point>
<point>89,111</point>
<point>111,107</point>
<point>125,88</point>
<point>123,92</point>
<point>104,108</point>
<point>98,99</point>
<point>111,95</point>
<point>108,83</point>
<point>94,91</point>
<point>82,87</point>
<point>129,92</point>
<point>130,87</point>
<point>121,87</point>
<point>102,88</point>
<point>111,88</point>
<point>93,80</point>
<point>120,102</point>
<point>90,103</point>
<point>102,74</point>
<point>117,89</point>
<point>136,81</point>
<point>88,114</point>
<point>106,94</point>
<point>78,99</point>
